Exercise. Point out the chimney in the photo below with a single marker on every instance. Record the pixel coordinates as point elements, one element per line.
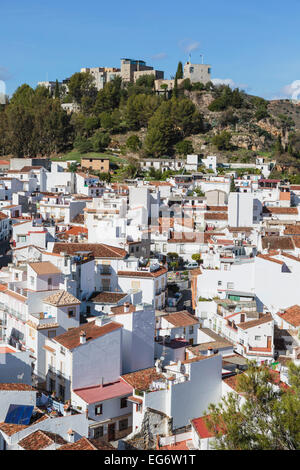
<point>126,307</point>
<point>82,337</point>
<point>209,351</point>
<point>158,366</point>
<point>71,435</point>
<point>242,317</point>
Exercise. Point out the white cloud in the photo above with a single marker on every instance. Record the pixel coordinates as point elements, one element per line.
<point>189,45</point>
<point>159,56</point>
<point>230,82</point>
<point>292,90</point>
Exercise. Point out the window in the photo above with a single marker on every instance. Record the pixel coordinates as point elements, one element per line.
<point>98,410</point>
<point>257,338</point>
<point>98,432</point>
<point>71,313</point>
<point>123,402</point>
<point>219,283</point>
<point>123,424</point>
<point>62,350</point>
<point>230,285</point>
<point>191,330</point>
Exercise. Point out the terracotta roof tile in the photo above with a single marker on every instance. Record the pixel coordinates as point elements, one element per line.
<point>71,338</point>
<point>19,387</point>
<point>11,429</point>
<point>108,297</point>
<point>150,274</point>
<point>142,379</point>
<point>44,267</point>
<point>181,319</point>
<point>252,323</point>
<point>87,444</point>
<point>215,216</point>
<point>277,243</point>
<point>291,315</point>
<point>280,210</point>
<point>99,250</point>
<point>61,299</point>
<point>39,440</point>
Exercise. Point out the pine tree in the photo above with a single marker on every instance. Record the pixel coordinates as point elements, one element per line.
<point>266,418</point>
<point>56,92</point>
<point>179,73</point>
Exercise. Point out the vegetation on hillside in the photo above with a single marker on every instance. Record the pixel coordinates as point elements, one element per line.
<point>267,418</point>
<point>140,123</point>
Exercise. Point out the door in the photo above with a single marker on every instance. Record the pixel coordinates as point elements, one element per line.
<point>111,432</point>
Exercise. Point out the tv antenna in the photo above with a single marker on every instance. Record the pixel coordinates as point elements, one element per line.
<point>202,58</point>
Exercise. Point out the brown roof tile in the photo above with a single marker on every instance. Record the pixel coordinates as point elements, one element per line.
<point>150,274</point>
<point>39,440</point>
<point>99,250</point>
<point>292,315</point>
<point>142,379</point>
<point>215,216</point>
<point>108,297</point>
<point>280,210</point>
<point>44,267</point>
<point>87,444</point>
<point>61,299</point>
<point>19,387</point>
<point>181,319</point>
<point>71,338</point>
<point>277,243</point>
<point>252,323</point>
<point>11,429</point>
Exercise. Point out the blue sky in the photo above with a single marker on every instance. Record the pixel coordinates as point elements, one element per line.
<point>253,43</point>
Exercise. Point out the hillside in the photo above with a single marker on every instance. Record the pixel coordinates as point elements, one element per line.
<point>133,121</point>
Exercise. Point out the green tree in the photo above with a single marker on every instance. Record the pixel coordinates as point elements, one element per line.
<point>82,84</point>
<point>100,141</point>
<point>222,140</point>
<point>133,143</point>
<point>161,135</point>
<point>109,98</point>
<point>196,257</point>
<point>179,73</point>
<point>184,147</point>
<point>232,186</point>
<point>56,91</point>
<point>267,419</point>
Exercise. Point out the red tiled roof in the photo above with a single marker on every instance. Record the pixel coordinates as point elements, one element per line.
<point>142,379</point>
<point>108,297</point>
<point>200,426</point>
<point>16,387</point>
<point>87,444</point>
<point>215,216</point>
<point>182,445</point>
<point>71,338</point>
<point>280,210</point>
<point>150,274</point>
<point>11,429</point>
<point>39,440</point>
<point>277,243</point>
<point>217,208</point>
<point>181,319</point>
<point>99,250</point>
<point>269,258</point>
<point>44,267</point>
<point>100,393</point>
<point>291,315</point>
<point>259,321</point>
